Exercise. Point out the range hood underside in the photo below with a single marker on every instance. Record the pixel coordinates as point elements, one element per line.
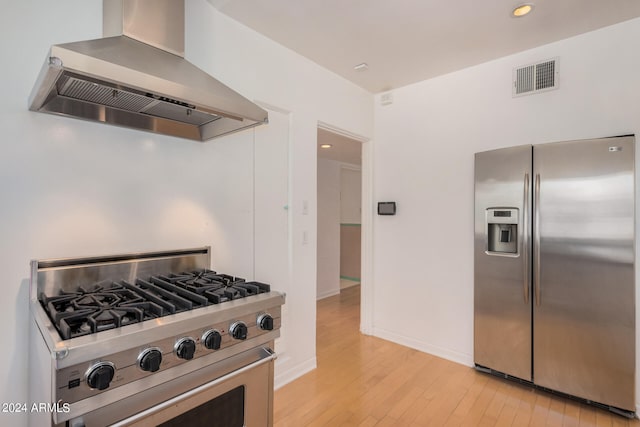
<point>172,100</point>
<point>133,110</point>
<point>136,111</point>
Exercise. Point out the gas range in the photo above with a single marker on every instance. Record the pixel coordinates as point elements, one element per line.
<point>113,327</point>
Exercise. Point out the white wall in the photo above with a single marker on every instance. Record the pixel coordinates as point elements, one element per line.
<point>73,188</point>
<point>328,268</point>
<point>350,223</point>
<point>350,195</point>
<point>271,212</point>
<point>339,202</point>
<point>423,159</point>
<point>266,72</point>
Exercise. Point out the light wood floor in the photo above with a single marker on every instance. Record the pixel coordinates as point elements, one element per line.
<point>366,381</point>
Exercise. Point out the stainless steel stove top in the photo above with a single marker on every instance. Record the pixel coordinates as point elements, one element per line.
<point>113,326</point>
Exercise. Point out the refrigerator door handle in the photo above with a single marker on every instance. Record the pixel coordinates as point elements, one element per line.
<point>525,239</point>
<point>536,239</point>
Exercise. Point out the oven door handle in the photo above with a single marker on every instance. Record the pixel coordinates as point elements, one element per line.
<point>270,356</point>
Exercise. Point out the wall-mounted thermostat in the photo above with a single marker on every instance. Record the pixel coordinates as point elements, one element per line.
<point>386,208</point>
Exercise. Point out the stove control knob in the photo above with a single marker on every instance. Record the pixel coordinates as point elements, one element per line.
<point>185,348</point>
<point>212,339</point>
<point>149,360</point>
<point>99,376</point>
<point>239,330</point>
<point>265,322</point>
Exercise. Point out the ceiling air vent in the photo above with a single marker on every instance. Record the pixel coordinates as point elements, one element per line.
<point>535,78</point>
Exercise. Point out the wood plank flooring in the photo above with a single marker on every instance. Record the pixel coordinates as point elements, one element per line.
<point>366,381</point>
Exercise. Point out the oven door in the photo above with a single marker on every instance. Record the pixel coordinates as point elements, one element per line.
<point>241,396</point>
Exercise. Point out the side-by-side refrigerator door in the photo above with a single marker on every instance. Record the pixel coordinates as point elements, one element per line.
<point>584,280</point>
<point>502,261</point>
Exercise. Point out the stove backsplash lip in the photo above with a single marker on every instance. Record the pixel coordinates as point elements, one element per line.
<point>114,258</point>
<point>91,347</point>
<point>52,276</point>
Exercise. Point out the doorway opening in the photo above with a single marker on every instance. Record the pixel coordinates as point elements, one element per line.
<point>339,257</point>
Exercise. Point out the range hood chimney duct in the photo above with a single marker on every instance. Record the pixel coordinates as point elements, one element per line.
<point>137,77</point>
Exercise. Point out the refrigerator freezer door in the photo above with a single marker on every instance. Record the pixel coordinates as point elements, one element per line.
<point>502,314</point>
<point>584,305</point>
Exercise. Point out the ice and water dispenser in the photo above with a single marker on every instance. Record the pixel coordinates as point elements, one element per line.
<point>502,230</point>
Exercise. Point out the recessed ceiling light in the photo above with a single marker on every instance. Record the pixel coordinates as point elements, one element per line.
<point>522,10</point>
<point>361,67</point>
<point>326,146</point>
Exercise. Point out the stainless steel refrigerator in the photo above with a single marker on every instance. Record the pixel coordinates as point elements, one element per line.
<point>554,267</point>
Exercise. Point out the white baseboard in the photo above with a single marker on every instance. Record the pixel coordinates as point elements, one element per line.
<point>291,373</point>
<point>454,356</point>
<point>328,294</point>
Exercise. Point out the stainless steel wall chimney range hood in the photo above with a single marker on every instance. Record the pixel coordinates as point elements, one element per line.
<point>137,77</point>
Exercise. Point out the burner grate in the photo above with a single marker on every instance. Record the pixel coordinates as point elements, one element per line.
<point>113,304</point>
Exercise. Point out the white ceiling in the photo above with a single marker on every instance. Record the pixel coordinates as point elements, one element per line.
<point>406,41</point>
<point>342,149</point>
